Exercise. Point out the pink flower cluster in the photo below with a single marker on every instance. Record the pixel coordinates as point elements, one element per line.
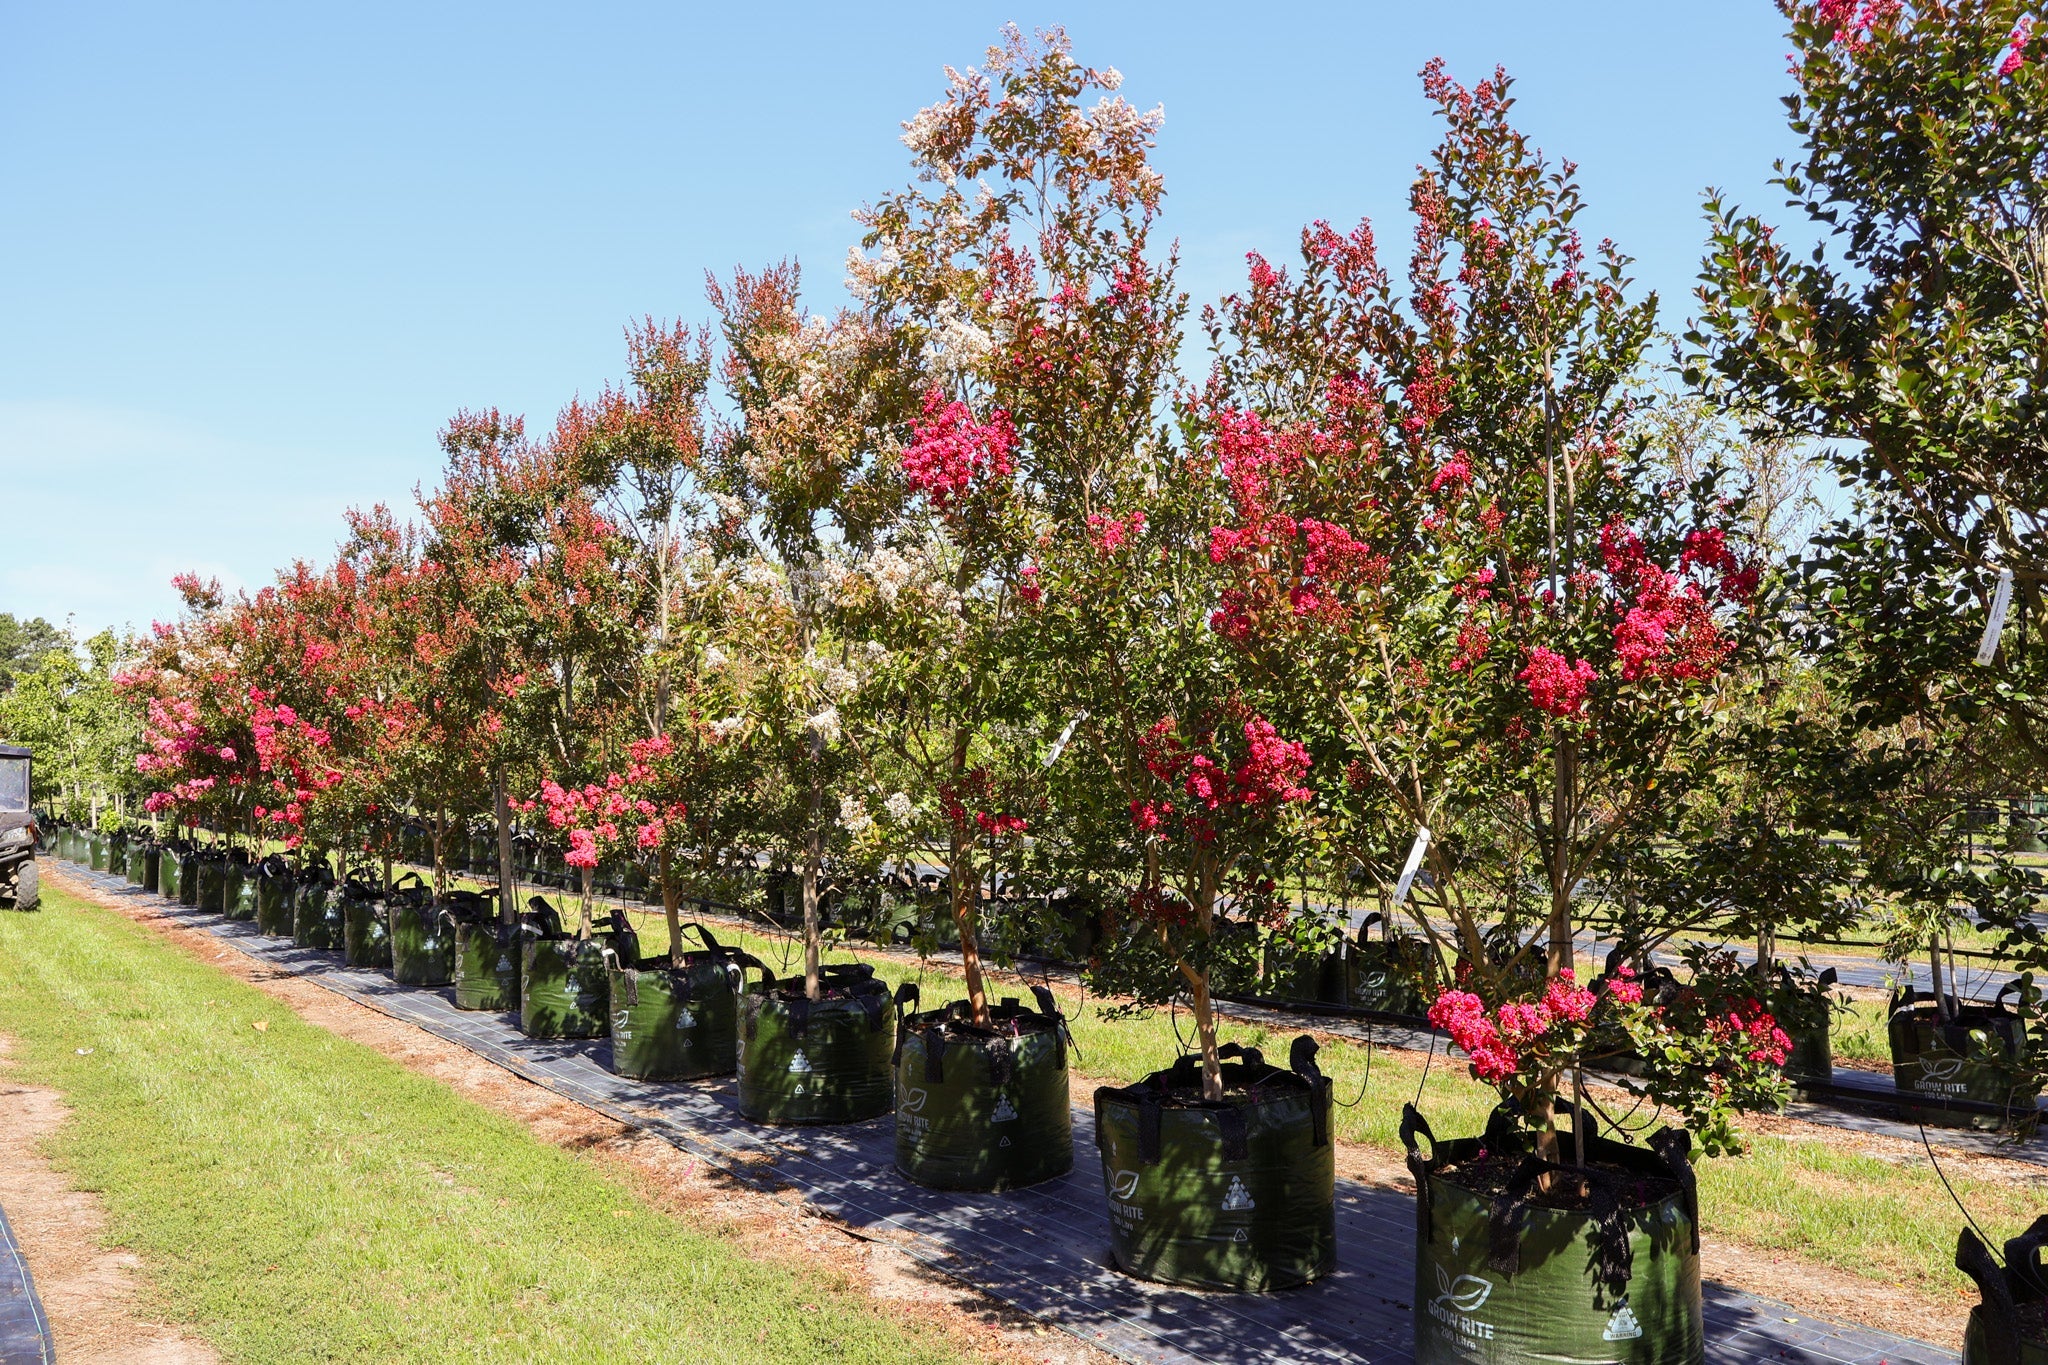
<point>949,451</point>
<point>1497,1044</point>
<point>1269,775</point>
<point>1555,685</point>
<point>2016,46</point>
<point>1751,1027</point>
<point>1109,534</point>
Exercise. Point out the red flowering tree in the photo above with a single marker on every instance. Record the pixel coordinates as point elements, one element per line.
<point>1508,620</point>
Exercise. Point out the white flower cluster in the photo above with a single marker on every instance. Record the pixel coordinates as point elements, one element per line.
<point>723,728</point>
<point>893,571</point>
<point>961,344</point>
<point>714,657</point>
<point>900,807</point>
<point>854,815</point>
<point>825,725</point>
<point>838,680</point>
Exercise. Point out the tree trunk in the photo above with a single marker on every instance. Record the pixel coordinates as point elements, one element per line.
<point>814,854</point>
<point>671,897</point>
<point>440,859</point>
<point>585,878</point>
<point>508,910</point>
<point>1934,964</point>
<point>1205,1012</point>
<point>964,883</point>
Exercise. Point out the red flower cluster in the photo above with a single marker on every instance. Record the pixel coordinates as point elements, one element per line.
<point>949,451</point>
<point>1496,1044</point>
<point>1108,534</point>
<point>1752,1025</point>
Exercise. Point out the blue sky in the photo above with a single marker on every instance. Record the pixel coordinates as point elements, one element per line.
<point>252,257</point>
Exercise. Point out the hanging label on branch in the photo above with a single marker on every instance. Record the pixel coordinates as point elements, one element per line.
<point>1408,871</point>
<point>1059,746</point>
<point>2001,602</point>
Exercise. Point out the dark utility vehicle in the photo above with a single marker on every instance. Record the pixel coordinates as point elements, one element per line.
<point>17,833</point>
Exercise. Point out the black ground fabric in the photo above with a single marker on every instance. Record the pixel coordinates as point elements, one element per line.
<point>1043,1249</point>
<point>24,1328</point>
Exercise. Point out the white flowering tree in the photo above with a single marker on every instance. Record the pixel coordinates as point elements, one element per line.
<point>806,475</point>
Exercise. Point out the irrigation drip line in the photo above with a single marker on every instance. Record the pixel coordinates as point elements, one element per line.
<point>1955,1199</point>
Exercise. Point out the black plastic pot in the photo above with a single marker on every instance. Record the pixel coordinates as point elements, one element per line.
<point>1238,1194</point>
<point>274,896</point>
<point>1500,1278</point>
<point>675,1023</point>
<point>316,910</point>
<point>365,929</point>
<point>2009,1326</point>
<point>982,1108</point>
<point>1386,974</point>
<point>817,1061</point>
<point>1970,1058</point>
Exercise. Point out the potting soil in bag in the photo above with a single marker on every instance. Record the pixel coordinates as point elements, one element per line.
<point>673,1023</point>
<point>983,1108</point>
<point>1604,1270</point>
<point>817,1061</point>
<point>2010,1324</point>
<point>1971,1057</point>
<point>365,931</point>
<point>1237,1194</point>
<point>422,949</point>
<point>316,910</point>
<point>274,896</point>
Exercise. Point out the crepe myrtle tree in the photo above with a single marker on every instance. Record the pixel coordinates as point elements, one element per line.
<point>1456,551</point>
<point>191,690</point>
<point>1014,270</point>
<point>804,473</point>
<point>1910,332</point>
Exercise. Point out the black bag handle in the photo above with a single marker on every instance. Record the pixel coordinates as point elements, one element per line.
<point>2025,1276</point>
<point>907,994</point>
<point>1999,1313</point>
<point>711,944</point>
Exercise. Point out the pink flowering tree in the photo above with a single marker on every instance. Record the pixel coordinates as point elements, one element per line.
<point>1501,618</point>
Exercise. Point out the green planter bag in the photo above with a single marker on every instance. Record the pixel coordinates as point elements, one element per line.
<point>1387,975</point>
<point>188,876</point>
<point>316,910</point>
<point>117,853</point>
<point>982,1108</point>
<point>671,1023</point>
<point>1314,977</point>
<point>212,883</point>
<point>2010,1325</point>
<point>817,1061</point>
<point>1970,1058</point>
<point>238,891</point>
<point>96,851</point>
<point>422,948</point>
<point>143,865</point>
<point>365,930</point>
<point>274,897</point>
<point>1500,1278</point>
<point>563,992</point>
<point>1812,1055</point>
<point>487,957</point>
<point>1236,1195</point>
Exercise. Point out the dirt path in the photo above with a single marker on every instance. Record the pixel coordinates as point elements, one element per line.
<point>88,1292</point>
<point>766,1227</point>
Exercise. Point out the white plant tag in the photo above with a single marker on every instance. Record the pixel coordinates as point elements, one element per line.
<point>2001,601</point>
<point>1059,746</point>
<point>1408,871</point>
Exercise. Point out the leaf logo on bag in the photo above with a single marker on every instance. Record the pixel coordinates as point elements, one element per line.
<point>1466,1294</point>
<point>1237,1198</point>
<point>913,1103</point>
<point>1124,1184</point>
<point>1943,1069</point>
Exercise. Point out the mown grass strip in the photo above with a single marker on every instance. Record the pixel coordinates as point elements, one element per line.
<point>299,1197</point>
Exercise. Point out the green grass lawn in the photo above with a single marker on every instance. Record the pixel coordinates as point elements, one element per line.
<point>295,1196</point>
<point>1886,1219</point>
